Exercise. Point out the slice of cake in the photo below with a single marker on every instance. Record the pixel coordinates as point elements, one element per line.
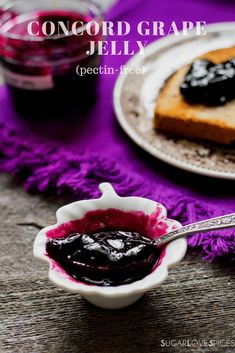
<point>198,115</point>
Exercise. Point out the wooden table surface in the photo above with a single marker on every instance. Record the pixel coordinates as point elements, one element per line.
<point>195,303</point>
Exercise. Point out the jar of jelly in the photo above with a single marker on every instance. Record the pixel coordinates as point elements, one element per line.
<point>42,43</point>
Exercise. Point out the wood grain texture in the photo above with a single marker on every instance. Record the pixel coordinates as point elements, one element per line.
<point>196,302</point>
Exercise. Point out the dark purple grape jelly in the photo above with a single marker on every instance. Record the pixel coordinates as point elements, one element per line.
<point>40,70</point>
<point>105,258</point>
<point>208,83</point>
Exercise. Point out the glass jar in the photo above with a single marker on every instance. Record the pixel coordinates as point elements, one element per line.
<point>42,43</point>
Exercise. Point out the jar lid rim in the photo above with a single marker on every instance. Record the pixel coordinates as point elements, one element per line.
<point>29,38</point>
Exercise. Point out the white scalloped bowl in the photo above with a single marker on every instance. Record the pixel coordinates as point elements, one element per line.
<point>123,295</point>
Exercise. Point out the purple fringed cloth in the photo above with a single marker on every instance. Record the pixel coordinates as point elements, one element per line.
<point>75,156</point>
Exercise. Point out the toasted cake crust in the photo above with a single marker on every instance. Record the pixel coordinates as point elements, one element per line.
<point>173,114</point>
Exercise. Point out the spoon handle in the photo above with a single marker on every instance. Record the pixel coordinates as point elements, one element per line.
<point>226,221</point>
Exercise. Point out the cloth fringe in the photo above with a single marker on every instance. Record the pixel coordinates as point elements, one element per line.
<point>44,167</point>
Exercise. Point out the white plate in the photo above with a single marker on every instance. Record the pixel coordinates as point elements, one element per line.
<point>135,97</point>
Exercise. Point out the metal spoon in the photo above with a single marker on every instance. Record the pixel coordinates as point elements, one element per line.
<point>226,221</point>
